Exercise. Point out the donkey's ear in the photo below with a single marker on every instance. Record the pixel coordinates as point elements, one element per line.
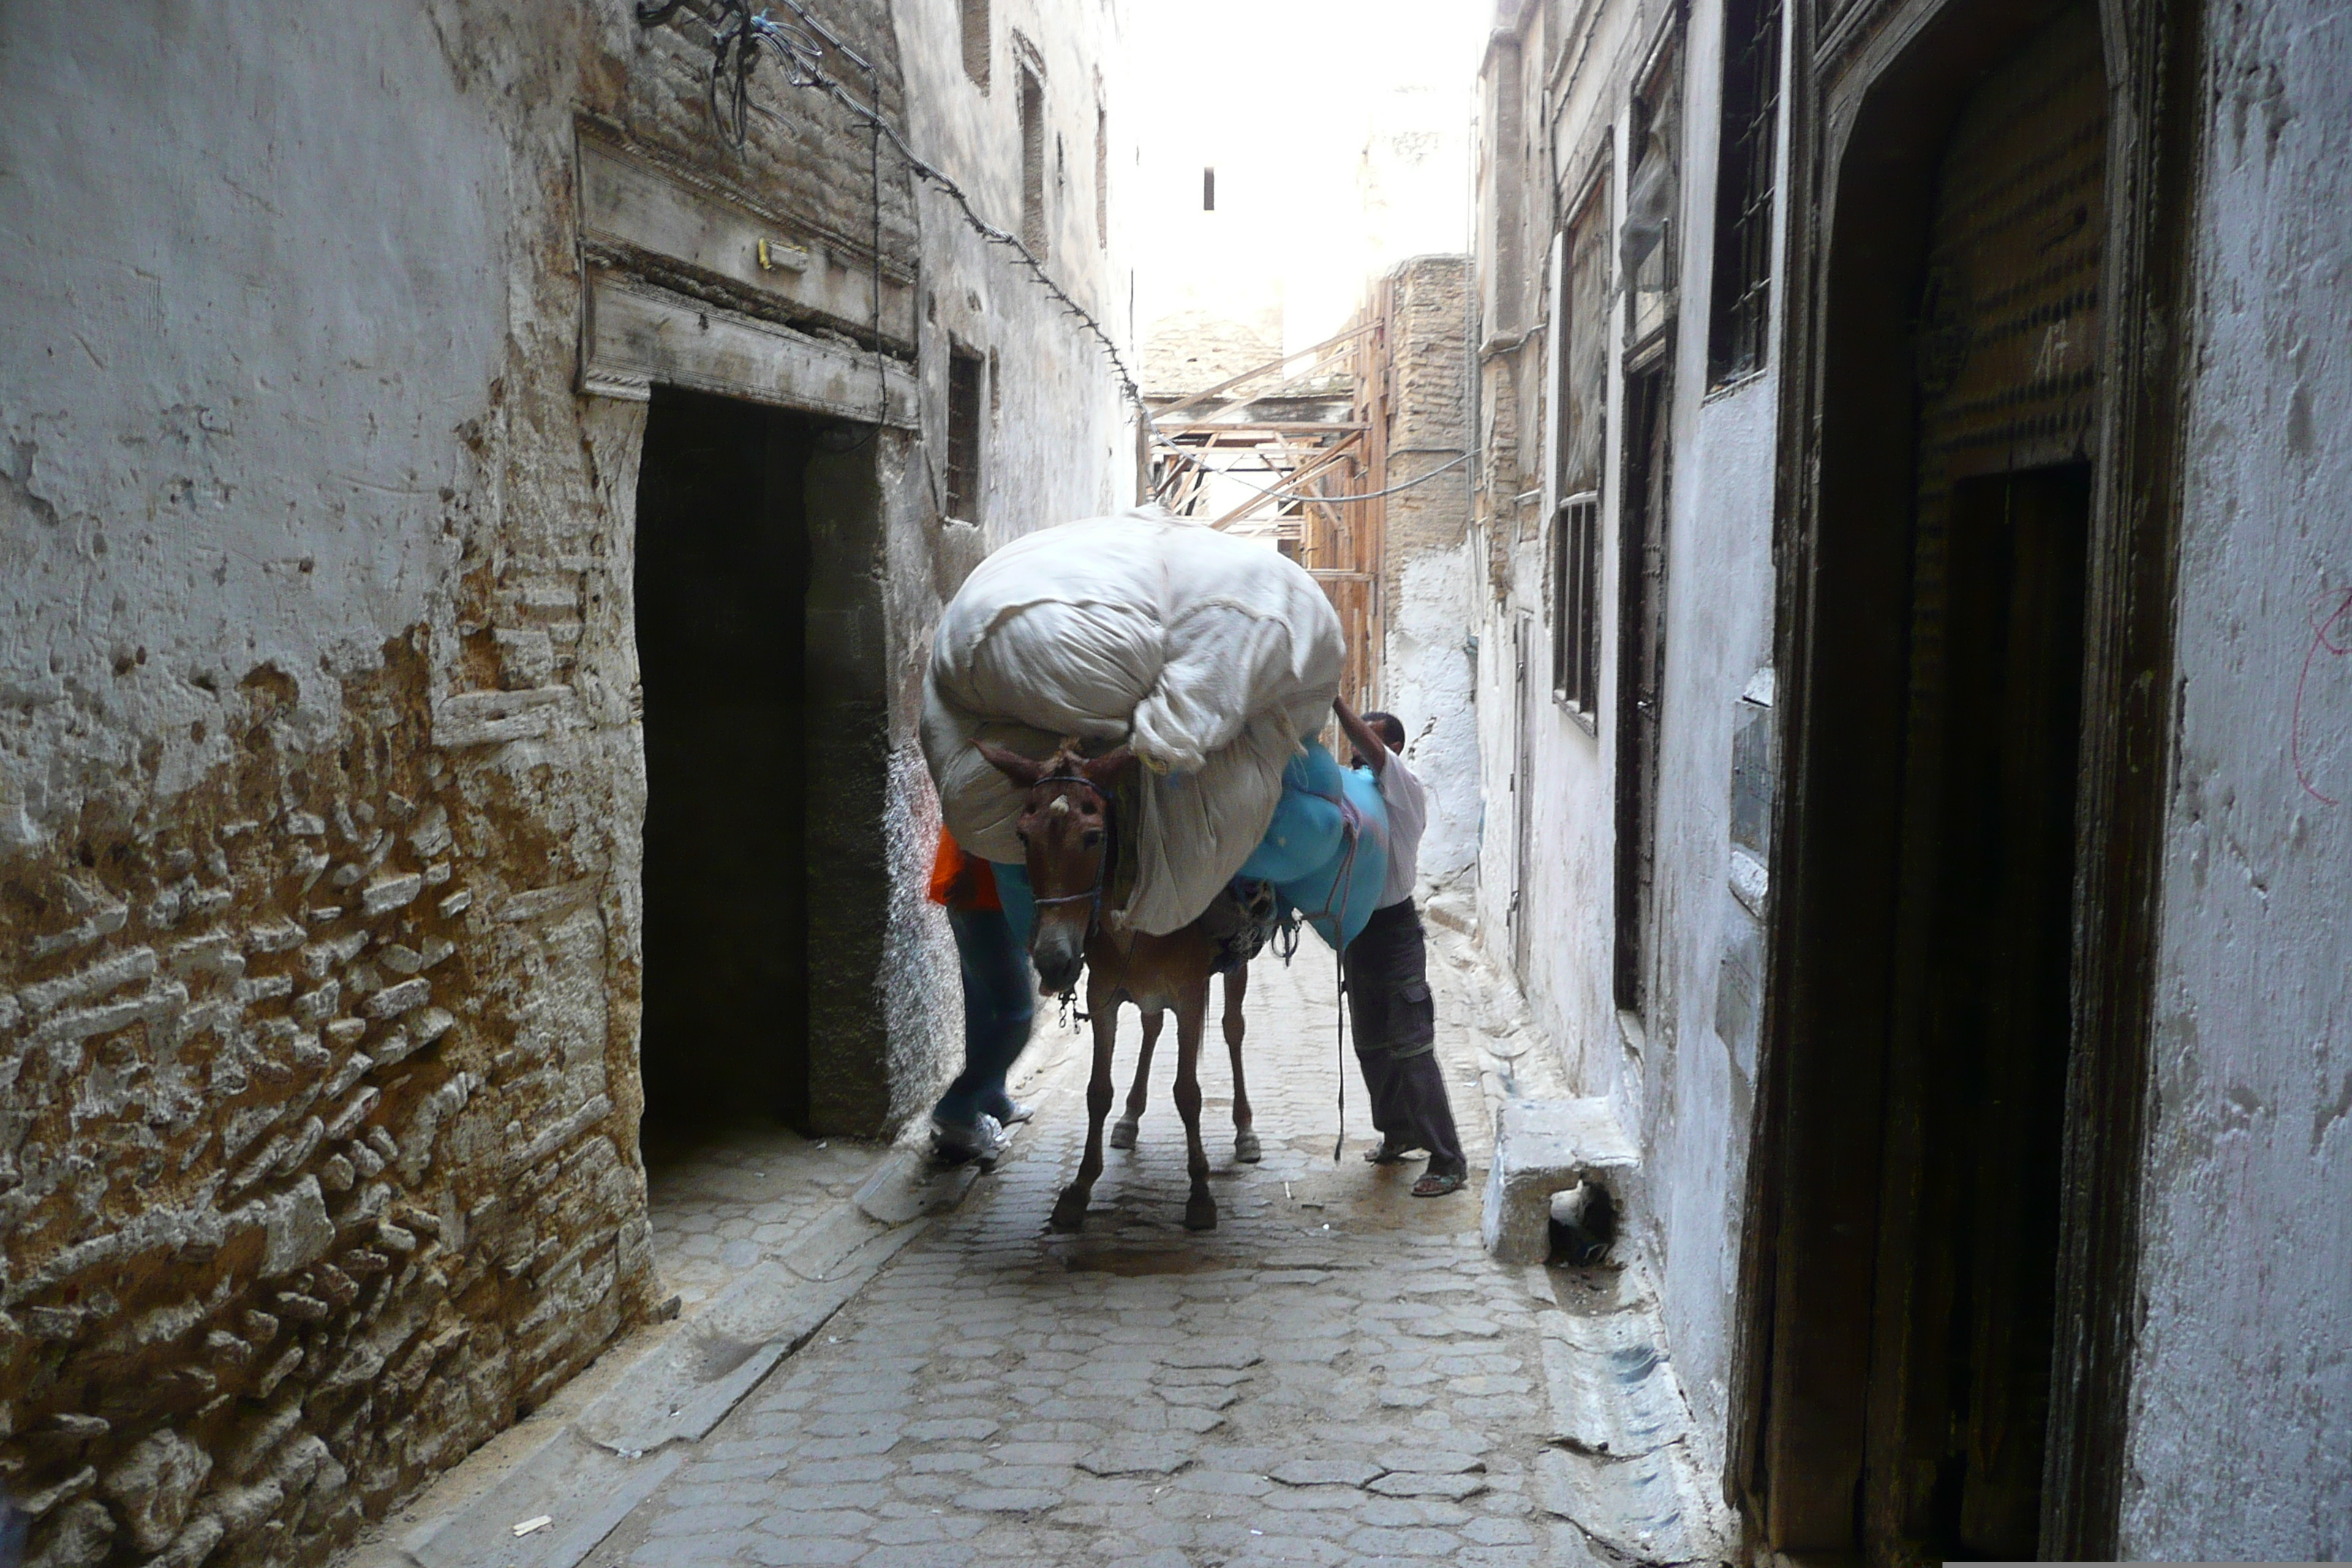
<point>1012,764</point>
<point>1100,771</point>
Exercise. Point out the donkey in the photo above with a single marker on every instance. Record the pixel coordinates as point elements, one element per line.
<point>1129,1123</point>
<point>1069,831</point>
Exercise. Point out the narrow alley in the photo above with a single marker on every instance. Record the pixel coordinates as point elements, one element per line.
<point>1338,1374</point>
<point>616,615</point>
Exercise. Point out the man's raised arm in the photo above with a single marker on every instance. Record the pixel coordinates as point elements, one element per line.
<point>1369,746</point>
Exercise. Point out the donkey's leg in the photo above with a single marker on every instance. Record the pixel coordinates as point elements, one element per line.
<point>1122,1132</point>
<point>1246,1146</point>
<point>1070,1209</point>
<point>1192,1020</point>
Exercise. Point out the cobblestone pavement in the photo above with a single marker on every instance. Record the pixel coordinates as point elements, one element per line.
<point>1336,1374</point>
<point>722,1199</point>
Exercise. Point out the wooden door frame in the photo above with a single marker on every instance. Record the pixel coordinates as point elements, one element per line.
<point>1874,88</point>
<point>1635,780</point>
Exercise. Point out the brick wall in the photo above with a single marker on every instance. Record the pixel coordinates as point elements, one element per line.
<point>319,776</point>
<point>308,1188</point>
<point>1430,412</point>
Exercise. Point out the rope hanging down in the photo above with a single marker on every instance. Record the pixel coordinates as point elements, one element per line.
<point>738,38</point>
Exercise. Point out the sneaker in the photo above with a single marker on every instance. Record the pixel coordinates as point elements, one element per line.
<point>1014,1114</point>
<point>982,1138</point>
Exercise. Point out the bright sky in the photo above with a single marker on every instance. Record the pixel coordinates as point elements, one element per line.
<point>1284,98</point>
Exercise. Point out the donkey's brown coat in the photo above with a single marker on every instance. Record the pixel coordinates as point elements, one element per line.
<point>1066,827</point>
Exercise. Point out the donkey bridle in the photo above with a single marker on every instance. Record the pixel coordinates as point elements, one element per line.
<point>1111,844</point>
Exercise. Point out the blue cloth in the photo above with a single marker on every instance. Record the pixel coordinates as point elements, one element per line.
<point>997,1007</point>
<point>1306,852</point>
<point>1308,827</point>
<point>1343,890</point>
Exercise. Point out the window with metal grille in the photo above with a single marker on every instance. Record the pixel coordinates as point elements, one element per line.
<point>1032,164</point>
<point>1650,250</point>
<point>1741,308</point>
<point>975,40</point>
<point>965,372</point>
<point>1576,595</point>
<point>1583,305</point>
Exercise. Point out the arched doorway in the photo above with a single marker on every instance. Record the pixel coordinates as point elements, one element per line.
<point>1928,1109</point>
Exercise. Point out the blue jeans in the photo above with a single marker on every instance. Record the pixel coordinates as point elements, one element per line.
<point>998,987</point>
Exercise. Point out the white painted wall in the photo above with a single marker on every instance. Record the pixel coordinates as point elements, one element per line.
<point>1686,1093</point>
<point>1429,682</point>
<point>248,309</point>
<point>2240,1440</point>
<point>1059,442</point>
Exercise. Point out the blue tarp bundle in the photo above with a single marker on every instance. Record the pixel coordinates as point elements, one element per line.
<point>1328,875</point>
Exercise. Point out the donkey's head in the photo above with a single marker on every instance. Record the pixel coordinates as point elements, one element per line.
<point>1065,831</point>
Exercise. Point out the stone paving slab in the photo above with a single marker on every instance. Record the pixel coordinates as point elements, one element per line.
<point>1336,1374</point>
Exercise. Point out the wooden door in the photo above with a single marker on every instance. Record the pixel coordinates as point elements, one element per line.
<point>2008,340</point>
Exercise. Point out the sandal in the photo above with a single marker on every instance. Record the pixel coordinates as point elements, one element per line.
<point>1437,1184</point>
<point>1389,1151</point>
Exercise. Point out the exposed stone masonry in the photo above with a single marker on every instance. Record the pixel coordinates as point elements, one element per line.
<point>288,1224</point>
<point>322,779</point>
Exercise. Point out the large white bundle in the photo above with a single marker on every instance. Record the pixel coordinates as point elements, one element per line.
<point>1210,656</point>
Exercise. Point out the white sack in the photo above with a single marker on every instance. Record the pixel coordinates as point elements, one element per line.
<point>1210,656</point>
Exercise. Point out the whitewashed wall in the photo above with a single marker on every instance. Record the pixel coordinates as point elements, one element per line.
<point>2241,1403</point>
<point>1685,1091</point>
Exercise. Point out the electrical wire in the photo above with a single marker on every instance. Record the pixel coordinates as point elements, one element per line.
<point>741,36</point>
<point>1279,494</point>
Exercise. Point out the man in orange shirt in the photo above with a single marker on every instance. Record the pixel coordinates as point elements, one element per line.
<point>969,1120</point>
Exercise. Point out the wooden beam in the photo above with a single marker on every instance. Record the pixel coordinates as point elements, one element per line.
<point>1246,427</point>
<point>1252,374</point>
<point>1327,457</point>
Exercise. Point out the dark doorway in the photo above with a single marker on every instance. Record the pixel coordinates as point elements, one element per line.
<point>1640,675</point>
<point>722,575</point>
<point>1917,1115</point>
<point>1959,1381</point>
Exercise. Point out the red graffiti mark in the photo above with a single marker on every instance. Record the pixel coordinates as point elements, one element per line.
<point>2319,639</point>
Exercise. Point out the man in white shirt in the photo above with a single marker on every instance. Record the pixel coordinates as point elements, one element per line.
<point>1394,1017</point>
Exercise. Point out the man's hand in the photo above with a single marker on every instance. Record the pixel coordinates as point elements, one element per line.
<point>1369,746</point>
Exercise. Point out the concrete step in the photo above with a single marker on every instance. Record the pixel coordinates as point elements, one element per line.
<point>1546,1146</point>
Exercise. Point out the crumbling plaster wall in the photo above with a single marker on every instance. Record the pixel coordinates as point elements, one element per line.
<point>320,779</point>
<point>2242,1384</point>
<point>1427,667</point>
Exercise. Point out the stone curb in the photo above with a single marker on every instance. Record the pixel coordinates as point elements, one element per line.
<point>1618,1465</point>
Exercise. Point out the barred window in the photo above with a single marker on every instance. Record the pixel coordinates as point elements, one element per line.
<point>1742,300</point>
<point>1576,591</point>
<point>965,372</point>
<point>1584,306</point>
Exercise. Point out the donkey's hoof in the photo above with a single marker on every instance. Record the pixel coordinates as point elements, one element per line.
<point>1069,1210</point>
<point>1122,1133</point>
<point>1245,1147</point>
<point>1201,1212</point>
